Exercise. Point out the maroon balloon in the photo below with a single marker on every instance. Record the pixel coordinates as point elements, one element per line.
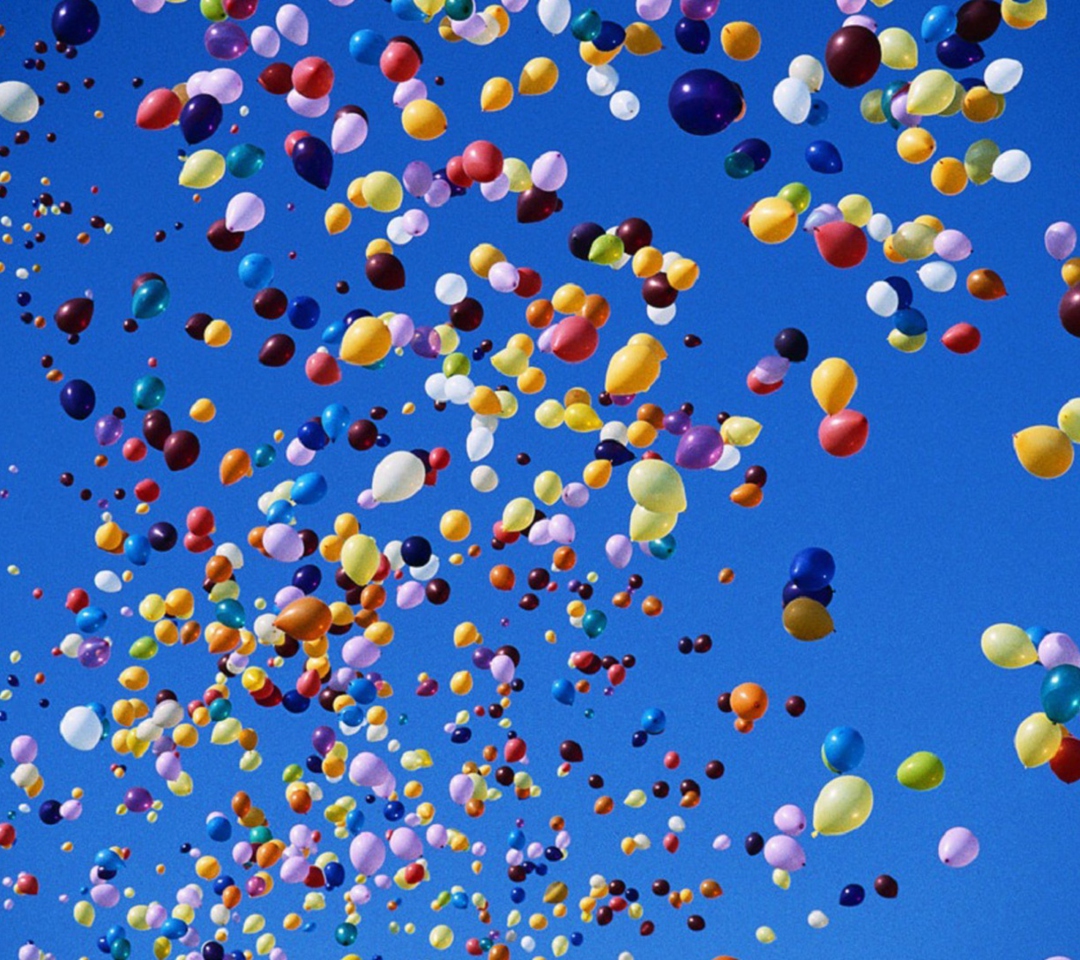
<point>270,303</point>
<point>277,350</point>
<point>74,316</point>
<point>156,427</point>
<point>362,434</point>
<point>1066,762</point>
<point>385,272</point>
<point>853,56</point>
<point>467,314</point>
<point>181,450</point>
<point>1069,310</point>
<point>222,238</point>
<point>437,591</point>
<point>276,79</point>
<point>534,205</point>
<point>885,886</point>
<point>571,752</point>
<point>144,278</point>
<point>635,233</point>
<point>196,325</point>
<point>978,20</point>
<point>657,292</point>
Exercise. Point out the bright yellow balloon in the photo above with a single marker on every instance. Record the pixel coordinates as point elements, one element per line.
<point>915,145</point>
<point>740,40</point>
<point>496,94</point>
<point>383,191</point>
<point>581,418</point>
<point>773,220</point>
<point>657,486</point>
<point>360,558</point>
<point>455,525</point>
<point>1006,645</point>
<point>366,341</point>
<point>806,619</point>
<point>631,369</point>
<point>483,257</point>
<point>842,806</point>
<point>538,76</point>
<point>1044,452</point>
<point>1037,740</point>
<point>904,343</point>
<point>423,120</point>
<point>337,218</point>
<point>833,384</point>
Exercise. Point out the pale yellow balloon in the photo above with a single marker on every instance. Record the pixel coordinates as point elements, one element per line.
<point>360,558</point>
<point>548,487</point>
<point>423,120</point>
<point>773,220</point>
<point>1069,419</point>
<point>550,414</point>
<point>202,169</point>
<point>337,218</point>
<point>646,525</point>
<point>518,514</point>
<point>870,107</point>
<point>641,39</point>
<point>931,92</point>
<point>1037,740</point>
<point>657,486</point>
<point>843,805</point>
<point>1023,14</point>
<point>740,431</point>
<point>1006,645</point>
<point>383,191</point>
<point>84,913</point>
<point>497,94</point>
<point>765,935</point>
<point>1044,452</point>
<point>898,49</point>
<point>833,384</point>
<point>518,173</point>
<point>538,76</point>
<point>914,240</point>
<point>856,209</point>
<point>441,937</point>
<point>366,341</point>
<point>904,343</point>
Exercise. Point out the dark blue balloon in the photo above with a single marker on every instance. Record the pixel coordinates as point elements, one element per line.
<point>333,874</point>
<point>200,118</point>
<point>704,102</point>
<point>612,451</point>
<point>812,568</point>
<point>49,812</point>
<point>222,883</point>
<point>792,592</point>
<point>415,551</point>
<point>75,21</point>
<point>819,112</point>
<point>313,161</point>
<point>1060,693</point>
<point>304,312</point>
<point>903,291</point>
<point>910,322</point>
<point>610,37</point>
<point>958,54</point>
<point>294,701</point>
<point>307,578</point>
<point>312,435</point>
<point>852,895</point>
<point>461,735</point>
<point>823,157</point>
<point>693,35</point>
<point>758,151</point>
<point>78,399</point>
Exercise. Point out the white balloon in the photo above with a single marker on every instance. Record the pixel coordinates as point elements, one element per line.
<point>554,15</point>
<point>938,276</point>
<point>879,227</point>
<point>18,102</point>
<point>427,571</point>
<point>292,24</point>
<point>791,97</point>
<point>398,476</point>
<point>484,479</point>
<point>107,581</point>
<point>729,459</point>
<point>244,212</point>
<point>882,298</point>
<point>817,920</point>
<point>451,288</point>
<point>809,70</point>
<point>504,277</point>
<point>81,728</point>
<point>350,130</point>
<point>489,34</point>
<point>479,443</point>
<point>624,105</point>
<point>435,387</point>
<point>1003,75</point>
<point>194,84</point>
<point>1012,166</point>
<point>396,232</point>
<point>265,41</point>
<point>602,80</point>
<point>459,389</point>
<point>661,316</point>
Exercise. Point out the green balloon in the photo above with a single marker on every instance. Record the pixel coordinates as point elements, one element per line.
<point>798,195</point>
<point>606,249</point>
<point>213,10</point>
<point>979,161</point>
<point>456,364</point>
<point>921,771</point>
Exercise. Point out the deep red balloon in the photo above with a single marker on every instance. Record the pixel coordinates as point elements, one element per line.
<point>962,338</point>
<point>657,292</point>
<point>534,205</point>
<point>853,56</point>
<point>574,339</point>
<point>978,20</point>
<point>1066,762</point>
<point>1069,310</point>
<point>277,350</point>
<point>400,61</point>
<point>844,433</point>
<point>181,450</point>
<point>74,316</point>
<point>159,109</point>
<point>841,244</point>
<point>312,77</point>
<point>762,389</point>
<point>483,161</point>
<point>276,78</point>
<point>529,282</point>
<point>222,238</point>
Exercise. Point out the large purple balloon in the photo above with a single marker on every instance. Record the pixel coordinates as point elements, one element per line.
<point>704,102</point>
<point>200,118</point>
<point>313,161</point>
<point>699,448</point>
<point>226,40</point>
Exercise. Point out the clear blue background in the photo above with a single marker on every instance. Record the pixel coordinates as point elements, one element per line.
<point>936,529</point>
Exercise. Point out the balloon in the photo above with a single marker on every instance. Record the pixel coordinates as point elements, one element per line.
<point>81,728</point>
<point>399,476</point>
<point>699,448</point>
<point>158,110</point>
<point>842,806</point>
<point>833,384</point>
<point>200,118</point>
<point>930,93</point>
<point>554,15</point>
<point>1060,240</point>
<point>225,41</point>
<point>181,450</point>
<point>823,157</point>
<point>18,102</point>
<point>843,749</point>
<point>349,132</point>
<point>841,244</point>
<point>962,338</point>
<point>843,434</point>
<point>958,847</point>
<point>958,54</point>
<point>785,853</point>
<point>78,399</point>
<point>1037,740</point>
<point>792,100</point>
<point>1008,646</point>
<point>773,220</point>
<point>807,619</point>
<point>1065,764</point>
<point>313,161</point>
<point>921,771</point>
<point>75,22</point>
<point>704,102</point>
<point>244,212</point>
<point>292,24</point>
<point>1060,693</point>
<point>656,486</point>
<point>853,56</point>
<point>1045,452</point>
<point>812,569</point>
<point>938,23</point>
<point>538,77</point>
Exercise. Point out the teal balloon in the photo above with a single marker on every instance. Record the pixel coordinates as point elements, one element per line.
<point>738,165</point>
<point>231,613</point>
<point>586,26</point>
<point>843,749</point>
<point>663,548</point>
<point>245,160</point>
<point>594,623</point>
<point>150,300</point>
<point>148,392</point>
<point>1060,693</point>
<point>265,454</point>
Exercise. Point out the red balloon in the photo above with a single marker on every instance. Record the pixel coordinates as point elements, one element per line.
<point>574,339</point>
<point>844,433</point>
<point>134,449</point>
<point>293,139</point>
<point>400,61</point>
<point>853,56</point>
<point>534,205</point>
<point>27,885</point>
<point>762,389</point>
<point>194,544</point>
<point>322,369</point>
<point>77,599</point>
<point>7,835</point>
<point>1066,762</point>
<point>313,78</point>
<point>962,338</point>
<point>483,161</point>
<point>74,316</point>
<point>439,458</point>
<point>159,109</point>
<point>841,244</point>
<point>200,521</point>
<point>457,174</point>
<point>222,238</point>
<point>276,79</point>
<point>529,282</point>
<point>240,9</point>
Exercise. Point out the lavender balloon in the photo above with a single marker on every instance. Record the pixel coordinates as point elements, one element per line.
<point>772,369</point>
<point>108,430</point>
<point>699,448</point>
<point>1060,240</point>
<point>1058,649</point>
<point>958,847</point>
<point>417,178</point>
<point>790,819</point>
<point>226,40</point>
<point>619,550</point>
<point>952,245</point>
<point>785,853</point>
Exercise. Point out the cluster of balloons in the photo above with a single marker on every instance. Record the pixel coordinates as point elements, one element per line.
<point>808,593</point>
<point>767,376</point>
<point>843,432</point>
<point>1047,452</point>
<point>1042,737</point>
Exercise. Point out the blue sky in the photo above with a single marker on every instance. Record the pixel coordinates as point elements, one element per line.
<point>936,529</point>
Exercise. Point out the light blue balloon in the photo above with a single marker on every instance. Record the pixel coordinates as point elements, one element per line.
<point>255,271</point>
<point>939,23</point>
<point>308,488</point>
<point>366,46</point>
<point>654,720</point>
<point>335,420</point>
<point>843,749</point>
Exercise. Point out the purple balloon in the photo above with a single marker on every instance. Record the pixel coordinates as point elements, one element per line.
<point>138,800</point>
<point>323,740</point>
<point>952,245</point>
<point>619,550</point>
<point>676,422</point>
<point>772,369</point>
<point>698,9</point>
<point>898,108</point>
<point>417,178</point>
<point>821,215</point>
<point>94,652</point>
<point>785,853</point>
<point>108,430</point>
<point>225,40</point>
<point>1058,649</point>
<point>1060,240</point>
<point>410,594</point>
<point>699,448</point>
<point>958,847</point>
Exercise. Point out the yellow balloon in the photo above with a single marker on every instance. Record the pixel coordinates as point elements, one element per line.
<point>455,525</point>
<point>898,49</point>
<point>423,120</point>
<point>569,298</point>
<point>84,913</point>
<point>647,262</point>
<point>202,169</point>
<point>595,57</point>
<point>597,474</point>
<point>1037,740</point>
<point>203,410</point>
<point>980,105</point>
<point>383,191</point>
<point>856,209</point>
<point>870,107</point>
<point>683,273</point>
<point>538,76</point>
<point>631,369</point>
<point>441,937</point>
<point>904,343</point>
<point>1022,14</point>
<point>581,418</point>
<point>366,341</point>
<point>915,145</point>
<point>337,218</point>
<point>483,257</point>
<point>1044,452</point>
<point>657,486</point>
<point>646,525</point>
<point>773,220</point>
<point>740,431</point>
<point>641,39</point>
<point>548,487</point>
<point>518,514</point>
<point>740,40</point>
<point>833,384</point>
<point>360,558</point>
<point>496,94</point>
<point>842,806</point>
<point>915,240</point>
<point>1069,419</point>
<point>806,619</point>
<point>948,176</point>
<point>931,92</point>
<point>1006,645</point>
<point>519,174</point>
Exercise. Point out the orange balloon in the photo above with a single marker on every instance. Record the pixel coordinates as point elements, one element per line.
<point>746,495</point>
<point>564,558</point>
<point>307,618</point>
<point>218,569</point>
<point>241,803</point>
<point>985,284</point>
<point>235,466</point>
<point>749,701</point>
<point>502,577</point>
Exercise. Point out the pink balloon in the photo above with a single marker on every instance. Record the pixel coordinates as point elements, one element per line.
<point>549,170</point>
<point>24,749</point>
<point>105,895</point>
<point>294,870</point>
<point>540,533</point>
<point>575,494</point>
<point>562,529</point>
<point>958,847</point>
<point>437,836</point>
<point>653,9</point>
<point>952,245</point>
<point>368,770</point>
